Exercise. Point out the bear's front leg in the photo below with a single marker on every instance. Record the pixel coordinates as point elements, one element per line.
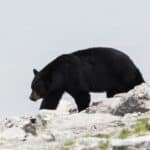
<point>52,100</point>
<point>82,99</point>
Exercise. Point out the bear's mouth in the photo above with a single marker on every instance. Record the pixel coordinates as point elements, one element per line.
<point>34,96</point>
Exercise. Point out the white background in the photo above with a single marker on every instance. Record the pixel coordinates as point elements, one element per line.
<point>33,32</point>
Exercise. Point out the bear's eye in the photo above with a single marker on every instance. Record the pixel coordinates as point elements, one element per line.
<point>35,85</point>
<point>36,88</point>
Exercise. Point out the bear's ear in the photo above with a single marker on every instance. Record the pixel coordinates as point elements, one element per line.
<point>35,72</point>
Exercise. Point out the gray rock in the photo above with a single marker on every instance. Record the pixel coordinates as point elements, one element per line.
<point>141,143</point>
<point>101,126</point>
<point>67,107</point>
<point>13,133</point>
<point>136,100</point>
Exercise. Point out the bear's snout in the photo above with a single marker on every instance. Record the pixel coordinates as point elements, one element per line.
<point>31,98</point>
<point>34,96</point>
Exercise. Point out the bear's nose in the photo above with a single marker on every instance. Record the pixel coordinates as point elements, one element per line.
<point>31,98</point>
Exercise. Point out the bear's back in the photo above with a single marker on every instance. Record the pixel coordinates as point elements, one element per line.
<point>103,56</point>
<point>100,53</point>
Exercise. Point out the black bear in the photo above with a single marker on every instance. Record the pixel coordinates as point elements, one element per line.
<point>91,70</point>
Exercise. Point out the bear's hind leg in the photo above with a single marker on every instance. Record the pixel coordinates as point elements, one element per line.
<point>122,89</point>
<point>111,93</point>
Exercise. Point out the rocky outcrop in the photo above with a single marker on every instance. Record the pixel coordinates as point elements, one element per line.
<point>118,123</point>
<point>136,100</point>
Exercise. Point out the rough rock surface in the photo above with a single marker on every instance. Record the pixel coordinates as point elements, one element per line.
<point>119,123</point>
<point>136,100</point>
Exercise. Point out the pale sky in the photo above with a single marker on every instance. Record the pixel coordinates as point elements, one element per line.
<point>34,32</point>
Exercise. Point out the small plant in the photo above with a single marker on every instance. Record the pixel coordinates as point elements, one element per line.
<point>141,126</point>
<point>87,135</point>
<point>106,136</point>
<point>103,145</point>
<point>2,141</point>
<point>124,133</point>
<point>67,144</point>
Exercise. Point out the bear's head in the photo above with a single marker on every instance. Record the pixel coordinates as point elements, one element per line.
<point>38,87</point>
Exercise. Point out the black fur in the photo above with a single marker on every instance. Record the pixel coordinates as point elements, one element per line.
<point>90,70</point>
